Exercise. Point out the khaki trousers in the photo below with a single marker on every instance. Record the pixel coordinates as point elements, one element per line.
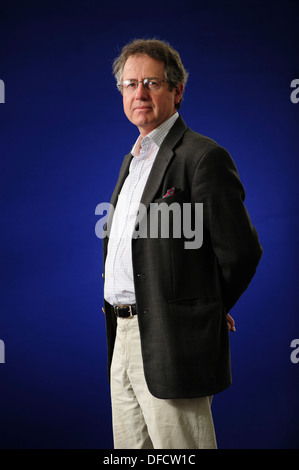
<point>142,421</point>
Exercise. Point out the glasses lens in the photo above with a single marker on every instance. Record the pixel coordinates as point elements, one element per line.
<point>130,85</point>
<point>152,83</point>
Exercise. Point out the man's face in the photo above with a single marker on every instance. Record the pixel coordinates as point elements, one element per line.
<point>147,109</point>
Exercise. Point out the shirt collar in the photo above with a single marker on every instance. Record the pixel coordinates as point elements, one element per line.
<point>157,135</point>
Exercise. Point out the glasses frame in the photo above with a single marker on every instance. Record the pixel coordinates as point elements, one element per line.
<point>145,81</point>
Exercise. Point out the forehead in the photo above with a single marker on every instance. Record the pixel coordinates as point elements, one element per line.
<point>143,66</point>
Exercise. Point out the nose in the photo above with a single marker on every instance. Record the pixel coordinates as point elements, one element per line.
<point>141,92</point>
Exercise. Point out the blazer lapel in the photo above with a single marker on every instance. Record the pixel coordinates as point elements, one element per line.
<point>162,160</point>
<point>123,173</point>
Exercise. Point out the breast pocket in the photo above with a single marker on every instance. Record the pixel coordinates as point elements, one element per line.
<point>178,196</point>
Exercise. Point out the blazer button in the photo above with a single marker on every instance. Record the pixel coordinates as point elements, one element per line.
<point>140,275</point>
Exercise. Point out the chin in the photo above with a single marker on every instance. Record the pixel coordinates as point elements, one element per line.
<point>142,123</point>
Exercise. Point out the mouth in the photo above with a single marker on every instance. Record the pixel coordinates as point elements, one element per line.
<point>142,108</point>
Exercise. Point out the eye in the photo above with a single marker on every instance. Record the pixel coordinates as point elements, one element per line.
<point>130,84</point>
<point>152,83</point>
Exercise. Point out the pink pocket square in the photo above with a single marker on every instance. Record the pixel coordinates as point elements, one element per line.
<point>170,192</point>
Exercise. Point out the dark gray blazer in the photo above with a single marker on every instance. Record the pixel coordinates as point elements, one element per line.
<point>183,295</point>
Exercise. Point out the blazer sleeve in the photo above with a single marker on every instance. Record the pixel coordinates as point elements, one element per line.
<point>234,239</point>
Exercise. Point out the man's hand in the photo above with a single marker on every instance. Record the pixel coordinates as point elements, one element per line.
<point>230,323</point>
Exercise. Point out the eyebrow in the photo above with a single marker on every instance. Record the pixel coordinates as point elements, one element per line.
<point>145,78</point>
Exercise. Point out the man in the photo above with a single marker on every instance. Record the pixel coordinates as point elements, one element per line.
<point>166,303</point>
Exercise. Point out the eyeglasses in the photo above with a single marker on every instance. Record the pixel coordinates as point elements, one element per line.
<point>131,85</point>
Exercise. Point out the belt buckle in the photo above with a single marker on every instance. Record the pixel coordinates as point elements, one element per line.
<point>124,306</point>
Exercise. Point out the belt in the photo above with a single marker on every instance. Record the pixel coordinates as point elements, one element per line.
<point>125,311</point>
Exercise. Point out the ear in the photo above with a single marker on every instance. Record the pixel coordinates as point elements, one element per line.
<point>178,93</point>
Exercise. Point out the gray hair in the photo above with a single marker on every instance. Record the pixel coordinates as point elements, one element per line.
<point>175,72</point>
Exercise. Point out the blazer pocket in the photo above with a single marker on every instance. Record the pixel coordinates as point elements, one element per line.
<point>196,324</point>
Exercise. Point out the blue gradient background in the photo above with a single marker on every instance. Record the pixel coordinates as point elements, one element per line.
<point>62,139</point>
